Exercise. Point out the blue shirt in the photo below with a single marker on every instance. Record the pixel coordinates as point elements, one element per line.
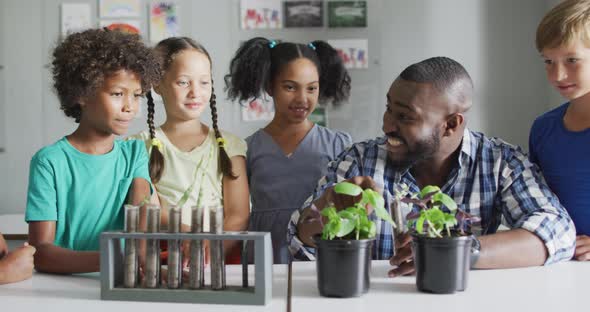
<point>280,184</point>
<point>83,193</point>
<point>491,179</point>
<point>564,159</point>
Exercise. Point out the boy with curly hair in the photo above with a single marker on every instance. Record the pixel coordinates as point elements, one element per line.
<point>560,139</point>
<point>78,185</point>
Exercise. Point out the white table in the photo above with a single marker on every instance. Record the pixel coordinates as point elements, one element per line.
<point>81,293</point>
<point>558,287</point>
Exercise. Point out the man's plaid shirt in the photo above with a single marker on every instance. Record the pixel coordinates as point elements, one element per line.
<point>491,179</point>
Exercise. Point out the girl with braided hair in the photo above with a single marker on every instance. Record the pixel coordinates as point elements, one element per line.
<point>185,152</point>
<point>287,158</point>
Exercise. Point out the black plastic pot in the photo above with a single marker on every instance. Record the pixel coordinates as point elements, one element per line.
<point>442,264</point>
<point>343,267</point>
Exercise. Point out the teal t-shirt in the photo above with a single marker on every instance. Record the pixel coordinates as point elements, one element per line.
<point>83,193</point>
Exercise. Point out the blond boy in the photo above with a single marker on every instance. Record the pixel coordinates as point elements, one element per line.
<point>560,139</point>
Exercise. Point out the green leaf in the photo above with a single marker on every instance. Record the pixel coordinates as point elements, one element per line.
<point>445,200</point>
<point>420,222</point>
<point>383,214</point>
<point>435,215</point>
<point>372,230</point>
<point>347,188</point>
<point>429,189</point>
<point>346,226</point>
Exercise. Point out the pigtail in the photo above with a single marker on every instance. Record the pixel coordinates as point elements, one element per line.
<point>156,165</point>
<point>249,70</point>
<point>334,78</point>
<point>224,162</point>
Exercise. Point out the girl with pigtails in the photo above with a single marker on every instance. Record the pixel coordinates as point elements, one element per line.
<point>286,158</point>
<point>184,151</point>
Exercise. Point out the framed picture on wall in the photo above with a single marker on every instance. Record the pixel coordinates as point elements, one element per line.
<point>163,21</point>
<point>354,52</point>
<point>126,26</point>
<point>319,116</point>
<point>347,14</point>
<point>75,17</point>
<point>261,14</point>
<point>119,8</point>
<point>304,13</point>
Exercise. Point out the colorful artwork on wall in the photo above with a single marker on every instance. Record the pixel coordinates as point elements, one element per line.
<point>163,21</point>
<point>259,109</point>
<point>304,13</point>
<point>75,17</point>
<point>261,14</point>
<point>347,14</point>
<point>354,52</point>
<point>126,26</point>
<point>119,8</point>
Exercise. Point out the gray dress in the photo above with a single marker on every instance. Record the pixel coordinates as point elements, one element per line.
<point>280,184</point>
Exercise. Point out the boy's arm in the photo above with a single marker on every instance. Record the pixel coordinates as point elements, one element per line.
<point>53,259</point>
<point>3,247</point>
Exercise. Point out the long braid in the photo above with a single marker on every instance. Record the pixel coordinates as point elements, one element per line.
<point>224,161</point>
<point>156,165</point>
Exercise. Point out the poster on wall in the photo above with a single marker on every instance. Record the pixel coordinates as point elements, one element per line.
<point>354,52</point>
<point>163,21</point>
<point>347,14</point>
<point>75,17</point>
<point>261,109</point>
<point>261,14</point>
<point>119,8</point>
<point>126,26</point>
<point>304,13</point>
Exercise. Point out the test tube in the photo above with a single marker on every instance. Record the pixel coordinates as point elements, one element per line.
<point>130,260</point>
<point>174,255</point>
<point>398,219</point>
<point>217,254</point>
<point>197,259</point>
<point>152,258</point>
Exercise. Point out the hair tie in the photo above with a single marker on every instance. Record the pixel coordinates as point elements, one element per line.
<point>272,44</point>
<point>311,45</point>
<point>157,143</point>
<point>221,142</point>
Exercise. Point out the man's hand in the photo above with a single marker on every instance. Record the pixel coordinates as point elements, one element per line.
<point>342,201</point>
<point>306,229</point>
<point>582,248</point>
<point>17,265</point>
<point>403,256</point>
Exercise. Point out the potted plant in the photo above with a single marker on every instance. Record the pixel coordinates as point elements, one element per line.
<point>343,253</point>
<point>441,241</point>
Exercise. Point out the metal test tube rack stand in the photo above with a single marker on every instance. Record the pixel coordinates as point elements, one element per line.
<point>111,271</point>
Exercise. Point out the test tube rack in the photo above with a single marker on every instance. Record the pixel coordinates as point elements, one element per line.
<point>111,271</point>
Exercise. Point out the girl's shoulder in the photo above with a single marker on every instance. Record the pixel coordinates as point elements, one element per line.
<point>143,136</point>
<point>331,135</point>
<point>235,145</point>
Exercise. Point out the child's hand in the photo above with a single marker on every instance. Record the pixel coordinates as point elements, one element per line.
<point>582,248</point>
<point>17,265</point>
<point>186,254</point>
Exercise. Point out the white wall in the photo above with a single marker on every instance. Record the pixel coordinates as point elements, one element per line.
<point>494,40</point>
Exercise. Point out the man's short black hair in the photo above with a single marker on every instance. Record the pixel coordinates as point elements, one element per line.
<point>442,72</point>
